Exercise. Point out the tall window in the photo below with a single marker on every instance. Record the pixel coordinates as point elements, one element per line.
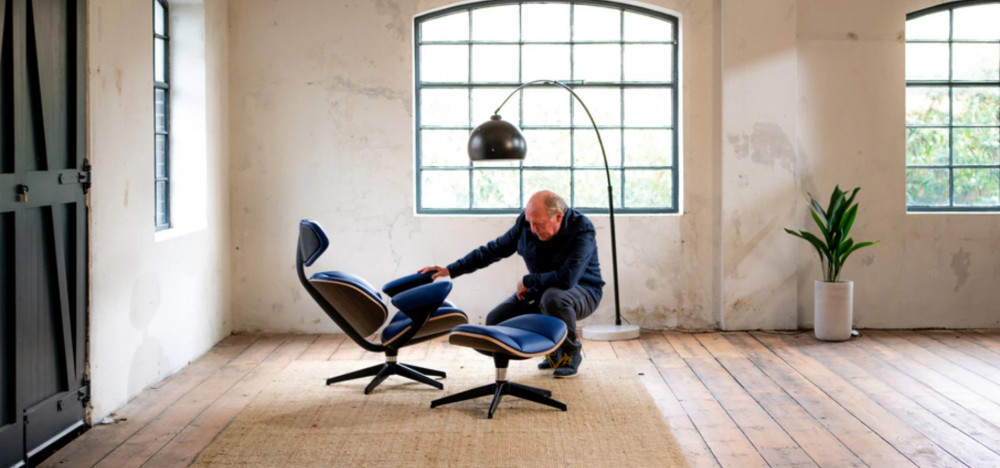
<point>161,125</point>
<point>620,59</point>
<point>953,107</point>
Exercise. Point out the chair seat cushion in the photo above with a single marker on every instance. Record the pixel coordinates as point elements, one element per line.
<point>441,321</point>
<point>525,336</point>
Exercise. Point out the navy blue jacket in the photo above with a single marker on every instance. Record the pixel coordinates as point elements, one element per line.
<point>567,259</point>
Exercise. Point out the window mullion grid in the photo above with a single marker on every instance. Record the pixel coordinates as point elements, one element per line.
<point>621,140</point>
<point>951,110</point>
<point>572,77</point>
<point>468,77</point>
<point>520,107</point>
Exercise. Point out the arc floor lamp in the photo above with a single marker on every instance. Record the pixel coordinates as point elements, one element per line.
<point>497,139</point>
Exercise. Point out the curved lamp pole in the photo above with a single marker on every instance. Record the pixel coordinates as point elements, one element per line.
<point>497,139</point>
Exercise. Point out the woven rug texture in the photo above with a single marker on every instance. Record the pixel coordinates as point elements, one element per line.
<point>298,421</point>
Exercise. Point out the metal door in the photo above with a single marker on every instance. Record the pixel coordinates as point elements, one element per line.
<point>43,224</point>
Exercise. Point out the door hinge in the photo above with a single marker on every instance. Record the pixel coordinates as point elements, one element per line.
<point>85,175</point>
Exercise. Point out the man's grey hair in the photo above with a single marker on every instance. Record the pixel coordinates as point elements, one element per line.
<point>555,204</point>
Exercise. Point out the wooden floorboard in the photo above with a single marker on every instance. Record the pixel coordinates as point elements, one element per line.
<point>732,399</point>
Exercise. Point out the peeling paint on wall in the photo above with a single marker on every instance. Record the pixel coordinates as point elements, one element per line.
<point>767,144</point>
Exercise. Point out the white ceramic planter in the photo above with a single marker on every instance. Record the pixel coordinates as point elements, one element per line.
<point>834,310</point>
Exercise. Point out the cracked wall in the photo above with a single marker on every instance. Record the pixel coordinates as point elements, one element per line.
<point>780,99</point>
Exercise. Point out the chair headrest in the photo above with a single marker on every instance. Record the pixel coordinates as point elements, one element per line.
<point>312,241</point>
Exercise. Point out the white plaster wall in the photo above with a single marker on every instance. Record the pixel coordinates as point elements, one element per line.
<point>780,98</point>
<point>929,270</point>
<point>759,57</point>
<point>322,128</point>
<point>156,302</point>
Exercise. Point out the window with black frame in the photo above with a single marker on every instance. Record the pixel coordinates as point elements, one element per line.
<point>161,124</point>
<point>953,107</point>
<point>620,59</point>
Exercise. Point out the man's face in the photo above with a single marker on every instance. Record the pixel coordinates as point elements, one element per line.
<point>542,225</point>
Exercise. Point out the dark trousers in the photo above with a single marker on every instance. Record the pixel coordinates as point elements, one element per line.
<point>568,305</point>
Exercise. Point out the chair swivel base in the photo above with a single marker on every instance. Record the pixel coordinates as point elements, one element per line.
<point>498,390</point>
<point>391,367</point>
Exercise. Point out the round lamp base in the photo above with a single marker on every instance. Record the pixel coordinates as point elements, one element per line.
<point>610,332</point>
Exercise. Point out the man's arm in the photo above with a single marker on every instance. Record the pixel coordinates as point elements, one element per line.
<point>494,250</point>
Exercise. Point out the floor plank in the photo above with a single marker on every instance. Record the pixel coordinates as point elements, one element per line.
<point>867,409</point>
<point>732,399</point>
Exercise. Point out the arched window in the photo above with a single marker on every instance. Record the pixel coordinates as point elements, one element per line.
<point>622,62</point>
<point>953,107</point>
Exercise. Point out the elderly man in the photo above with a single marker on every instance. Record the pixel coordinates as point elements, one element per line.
<point>564,277</point>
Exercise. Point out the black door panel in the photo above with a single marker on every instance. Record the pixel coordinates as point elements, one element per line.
<point>43,218</point>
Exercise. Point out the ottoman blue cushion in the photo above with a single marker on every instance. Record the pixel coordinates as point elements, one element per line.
<point>524,336</point>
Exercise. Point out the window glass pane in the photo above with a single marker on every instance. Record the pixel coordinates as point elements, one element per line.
<point>495,63</point>
<point>926,105</point>
<point>648,62</point>
<point>547,148</point>
<point>545,62</point>
<point>444,63</point>
<point>160,110</point>
<point>597,62</point>
<point>444,107</point>
<point>590,188</point>
<point>453,27</point>
<point>546,106</point>
<point>162,213</point>
<point>977,187</point>
<point>444,189</point>
<point>444,148</point>
<point>605,106</point>
<point>486,100</point>
<point>159,19</point>
<point>647,28</point>
<point>587,150</point>
<point>161,157</point>
<point>594,23</point>
<point>927,146</point>
<point>159,60</point>
<point>649,147</point>
<point>929,27</point>
<point>976,105</point>
<point>926,61</point>
<point>504,44</point>
<point>499,23</point>
<point>496,189</point>
<point>649,107</point>
<point>976,62</point>
<point>977,146</point>
<point>648,188</point>
<point>927,187</point>
<point>545,22</point>
<point>556,181</point>
<point>978,22</point>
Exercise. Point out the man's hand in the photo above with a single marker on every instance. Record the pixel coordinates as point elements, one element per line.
<point>522,292</point>
<point>439,272</point>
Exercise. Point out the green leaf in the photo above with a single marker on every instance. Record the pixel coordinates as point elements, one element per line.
<point>822,227</point>
<point>849,219</point>
<point>812,239</point>
<point>835,197</point>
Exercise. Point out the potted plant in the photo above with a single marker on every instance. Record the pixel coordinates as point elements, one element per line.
<point>834,299</point>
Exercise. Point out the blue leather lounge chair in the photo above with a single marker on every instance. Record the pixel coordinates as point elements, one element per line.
<point>358,309</point>
<point>518,338</point>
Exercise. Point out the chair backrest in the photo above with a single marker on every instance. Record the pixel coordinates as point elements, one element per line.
<point>353,304</point>
<point>312,241</point>
<point>353,298</point>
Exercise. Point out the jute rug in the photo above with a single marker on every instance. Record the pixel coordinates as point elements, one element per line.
<point>298,421</point>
